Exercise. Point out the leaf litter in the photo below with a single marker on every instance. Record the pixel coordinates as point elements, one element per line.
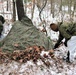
<point>37,60</point>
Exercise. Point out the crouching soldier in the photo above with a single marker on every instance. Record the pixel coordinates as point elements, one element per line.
<point>69,33</point>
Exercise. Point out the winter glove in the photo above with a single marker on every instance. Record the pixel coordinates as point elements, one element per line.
<point>59,41</point>
<point>56,45</point>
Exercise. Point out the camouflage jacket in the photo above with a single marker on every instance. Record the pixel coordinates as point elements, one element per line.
<point>1,28</point>
<point>67,30</point>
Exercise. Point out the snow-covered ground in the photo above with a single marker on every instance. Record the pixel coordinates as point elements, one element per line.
<point>58,66</point>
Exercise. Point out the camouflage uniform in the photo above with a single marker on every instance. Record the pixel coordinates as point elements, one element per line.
<point>66,31</point>
<point>1,28</point>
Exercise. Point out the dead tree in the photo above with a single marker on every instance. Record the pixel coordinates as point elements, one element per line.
<point>41,8</point>
<point>40,11</point>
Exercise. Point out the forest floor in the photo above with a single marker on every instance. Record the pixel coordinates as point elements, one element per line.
<point>36,61</point>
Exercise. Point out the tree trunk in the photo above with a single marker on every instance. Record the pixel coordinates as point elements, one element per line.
<point>74,8</point>
<point>25,6</point>
<point>69,7</point>
<point>52,7</point>
<point>61,11</point>
<point>7,5</point>
<point>14,11</point>
<point>33,8</point>
<point>20,9</point>
<point>42,9</point>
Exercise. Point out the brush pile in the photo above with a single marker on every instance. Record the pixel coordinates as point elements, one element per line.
<point>22,56</point>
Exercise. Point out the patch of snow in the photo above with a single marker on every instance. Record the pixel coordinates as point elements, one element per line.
<point>44,52</point>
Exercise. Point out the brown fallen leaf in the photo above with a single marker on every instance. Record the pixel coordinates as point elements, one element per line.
<point>21,60</point>
<point>45,55</point>
<point>47,63</point>
<point>51,52</point>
